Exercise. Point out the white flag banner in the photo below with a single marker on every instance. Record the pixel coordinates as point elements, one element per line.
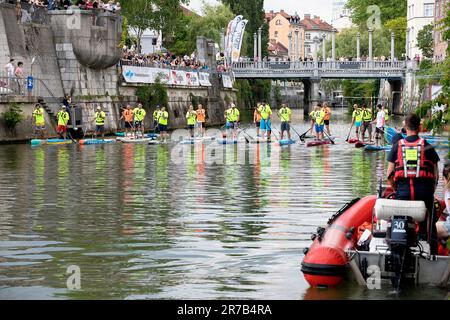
<point>204,79</point>
<point>227,82</point>
<point>237,41</point>
<point>231,36</point>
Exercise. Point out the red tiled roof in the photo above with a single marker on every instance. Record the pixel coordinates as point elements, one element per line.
<point>315,24</point>
<point>277,46</point>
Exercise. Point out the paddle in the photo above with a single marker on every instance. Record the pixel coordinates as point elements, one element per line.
<point>245,134</point>
<point>348,137</point>
<point>332,141</point>
<point>302,137</point>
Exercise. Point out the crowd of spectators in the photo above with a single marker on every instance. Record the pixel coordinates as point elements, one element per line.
<point>163,60</point>
<point>112,6</point>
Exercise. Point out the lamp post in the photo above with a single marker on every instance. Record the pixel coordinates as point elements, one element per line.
<point>333,45</point>
<point>324,50</point>
<point>259,44</point>
<point>358,46</point>
<point>392,47</point>
<point>370,44</point>
<point>290,45</point>
<point>255,47</point>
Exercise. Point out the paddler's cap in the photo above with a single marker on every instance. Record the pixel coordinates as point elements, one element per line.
<point>99,108</point>
<point>63,107</point>
<point>158,106</point>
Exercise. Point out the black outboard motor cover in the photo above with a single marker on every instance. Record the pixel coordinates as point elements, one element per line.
<point>401,232</point>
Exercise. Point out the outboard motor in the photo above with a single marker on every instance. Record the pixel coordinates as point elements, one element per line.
<point>401,236</point>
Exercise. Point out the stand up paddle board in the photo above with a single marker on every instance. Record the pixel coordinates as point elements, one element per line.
<point>132,140</point>
<point>96,141</point>
<point>286,142</point>
<point>318,143</point>
<point>147,135</point>
<point>37,142</point>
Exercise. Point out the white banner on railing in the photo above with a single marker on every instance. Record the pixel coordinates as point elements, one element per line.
<point>204,79</point>
<point>134,74</point>
<point>227,82</point>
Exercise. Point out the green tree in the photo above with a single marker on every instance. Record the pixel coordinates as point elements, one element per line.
<point>13,116</point>
<point>187,28</point>
<point>389,10</point>
<point>153,94</point>
<point>425,40</point>
<point>150,14</point>
<point>398,27</point>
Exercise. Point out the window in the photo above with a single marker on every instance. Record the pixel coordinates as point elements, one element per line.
<point>308,36</point>
<point>276,34</point>
<point>308,48</point>
<point>428,10</point>
<point>278,22</point>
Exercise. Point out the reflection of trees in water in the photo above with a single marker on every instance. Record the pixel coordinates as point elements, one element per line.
<point>362,170</point>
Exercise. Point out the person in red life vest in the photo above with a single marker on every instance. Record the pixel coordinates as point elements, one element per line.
<point>413,174</point>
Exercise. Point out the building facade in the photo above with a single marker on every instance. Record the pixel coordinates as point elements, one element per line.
<point>317,32</point>
<point>419,14</point>
<point>341,15</point>
<point>440,45</point>
<point>286,30</point>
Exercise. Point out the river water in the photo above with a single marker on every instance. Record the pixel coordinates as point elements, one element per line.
<point>140,225</point>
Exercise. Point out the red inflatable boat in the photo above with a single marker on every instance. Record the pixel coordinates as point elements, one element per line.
<point>327,260</point>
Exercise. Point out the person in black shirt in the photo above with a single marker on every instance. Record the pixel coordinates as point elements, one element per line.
<point>413,186</point>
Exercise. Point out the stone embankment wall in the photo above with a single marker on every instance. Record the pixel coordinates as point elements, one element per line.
<point>73,56</point>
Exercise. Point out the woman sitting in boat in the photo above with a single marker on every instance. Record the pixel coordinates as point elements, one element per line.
<point>443,226</point>
<point>413,173</point>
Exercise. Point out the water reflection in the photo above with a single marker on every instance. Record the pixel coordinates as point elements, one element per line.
<point>141,225</point>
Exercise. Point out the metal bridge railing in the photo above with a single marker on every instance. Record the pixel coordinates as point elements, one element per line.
<point>324,65</point>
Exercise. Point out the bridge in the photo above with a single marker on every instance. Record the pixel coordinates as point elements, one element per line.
<point>395,73</point>
<point>322,70</point>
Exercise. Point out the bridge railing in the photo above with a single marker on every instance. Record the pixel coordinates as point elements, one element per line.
<point>312,65</point>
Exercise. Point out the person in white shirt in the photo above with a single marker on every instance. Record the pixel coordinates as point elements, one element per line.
<point>9,67</point>
<point>380,122</point>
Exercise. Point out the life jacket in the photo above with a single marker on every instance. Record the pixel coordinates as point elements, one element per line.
<point>285,114</point>
<point>191,117</point>
<point>357,114</point>
<point>411,161</point>
<point>100,118</point>
<point>367,115</point>
<point>128,115</point>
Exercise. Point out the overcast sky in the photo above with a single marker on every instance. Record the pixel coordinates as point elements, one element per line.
<point>320,8</point>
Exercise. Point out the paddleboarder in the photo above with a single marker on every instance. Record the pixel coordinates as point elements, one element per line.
<point>317,121</point>
<point>285,115</point>
<point>265,112</point>
<point>139,116</point>
<point>191,117</point>
<point>127,115</point>
<point>63,119</point>
<point>326,119</point>
<point>257,119</point>
<point>100,117</point>
<point>201,119</point>
<point>162,123</point>
<point>155,118</point>
<point>357,119</point>
<point>379,123</point>
<point>367,122</point>
<point>38,115</point>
